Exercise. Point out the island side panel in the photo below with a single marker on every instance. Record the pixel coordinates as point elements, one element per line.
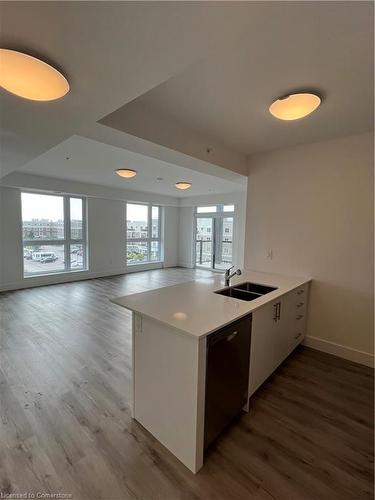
<point>201,399</point>
<point>136,325</point>
<point>168,388</point>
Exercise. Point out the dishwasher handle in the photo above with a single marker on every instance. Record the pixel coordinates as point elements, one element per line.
<point>221,336</point>
<point>231,336</point>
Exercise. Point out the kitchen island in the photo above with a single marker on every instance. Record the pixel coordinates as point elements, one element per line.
<point>171,326</point>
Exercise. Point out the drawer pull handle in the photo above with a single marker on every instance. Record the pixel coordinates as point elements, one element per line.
<point>231,336</point>
<point>298,336</point>
<point>300,304</point>
<point>300,316</point>
<point>277,311</point>
<point>300,292</point>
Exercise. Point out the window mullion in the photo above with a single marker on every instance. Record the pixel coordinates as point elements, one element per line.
<point>149,232</point>
<point>83,241</point>
<point>67,233</point>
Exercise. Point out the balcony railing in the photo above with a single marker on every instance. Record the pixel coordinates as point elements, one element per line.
<point>204,257</point>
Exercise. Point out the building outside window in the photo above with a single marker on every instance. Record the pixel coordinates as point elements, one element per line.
<point>143,245</point>
<point>54,233</point>
<point>214,236</point>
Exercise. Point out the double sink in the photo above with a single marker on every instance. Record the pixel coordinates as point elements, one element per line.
<point>246,291</point>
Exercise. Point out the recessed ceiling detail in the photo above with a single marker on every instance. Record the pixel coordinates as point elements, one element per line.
<point>294,106</point>
<point>217,68</point>
<point>96,162</point>
<point>30,78</point>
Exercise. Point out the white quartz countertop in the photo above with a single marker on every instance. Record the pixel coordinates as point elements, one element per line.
<point>195,309</point>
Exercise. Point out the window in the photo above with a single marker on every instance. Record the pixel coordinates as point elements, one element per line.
<point>228,208</point>
<point>54,234</point>
<point>143,233</point>
<point>214,236</point>
<point>206,210</point>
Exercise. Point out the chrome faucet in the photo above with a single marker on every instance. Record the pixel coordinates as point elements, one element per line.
<point>228,275</point>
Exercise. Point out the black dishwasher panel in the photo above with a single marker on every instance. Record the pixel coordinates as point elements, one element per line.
<point>227,376</point>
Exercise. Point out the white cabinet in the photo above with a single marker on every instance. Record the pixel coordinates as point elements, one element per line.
<point>277,329</point>
<point>262,351</point>
<point>297,309</point>
<point>282,331</point>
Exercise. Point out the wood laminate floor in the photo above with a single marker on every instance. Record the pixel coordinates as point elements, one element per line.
<point>65,425</point>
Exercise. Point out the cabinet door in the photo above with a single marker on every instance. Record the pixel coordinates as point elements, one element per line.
<point>262,345</point>
<point>284,332</point>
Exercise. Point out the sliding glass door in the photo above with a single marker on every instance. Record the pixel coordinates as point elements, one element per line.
<point>204,242</point>
<point>214,237</point>
<point>223,242</point>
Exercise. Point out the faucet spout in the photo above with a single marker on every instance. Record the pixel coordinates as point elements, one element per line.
<point>228,275</point>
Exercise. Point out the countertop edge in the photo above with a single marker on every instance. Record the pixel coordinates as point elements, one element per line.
<point>274,295</point>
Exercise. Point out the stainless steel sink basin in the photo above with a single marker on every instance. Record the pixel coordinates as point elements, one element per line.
<point>235,293</point>
<point>246,291</point>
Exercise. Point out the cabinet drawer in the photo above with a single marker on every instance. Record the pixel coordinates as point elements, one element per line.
<point>296,338</point>
<point>301,293</point>
<point>298,319</point>
<point>298,301</point>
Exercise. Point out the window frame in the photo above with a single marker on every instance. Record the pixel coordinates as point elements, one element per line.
<point>149,238</point>
<point>217,216</point>
<point>66,242</point>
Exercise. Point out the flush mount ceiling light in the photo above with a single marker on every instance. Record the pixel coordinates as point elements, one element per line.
<point>30,78</point>
<point>127,173</point>
<point>294,106</point>
<point>183,185</point>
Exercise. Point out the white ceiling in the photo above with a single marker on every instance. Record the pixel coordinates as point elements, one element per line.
<point>111,52</point>
<point>323,46</point>
<point>212,67</point>
<point>94,162</point>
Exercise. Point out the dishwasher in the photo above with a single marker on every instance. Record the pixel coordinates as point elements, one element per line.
<point>227,376</point>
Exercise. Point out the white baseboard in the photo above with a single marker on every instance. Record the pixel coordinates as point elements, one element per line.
<point>364,358</point>
<point>55,279</point>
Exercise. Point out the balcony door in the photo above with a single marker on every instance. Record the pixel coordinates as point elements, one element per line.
<point>204,242</point>
<point>214,237</point>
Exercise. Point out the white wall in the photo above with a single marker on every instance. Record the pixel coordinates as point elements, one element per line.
<point>186,225</point>
<point>170,236</point>
<point>11,236</point>
<point>1,232</point>
<point>313,206</point>
<point>185,237</point>
<point>106,228</point>
<point>106,232</point>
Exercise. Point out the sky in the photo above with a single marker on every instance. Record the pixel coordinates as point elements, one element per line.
<point>41,206</point>
<point>136,213</point>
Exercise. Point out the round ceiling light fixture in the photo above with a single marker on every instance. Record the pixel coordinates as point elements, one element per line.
<point>30,78</point>
<point>126,173</point>
<point>294,106</point>
<point>183,185</point>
